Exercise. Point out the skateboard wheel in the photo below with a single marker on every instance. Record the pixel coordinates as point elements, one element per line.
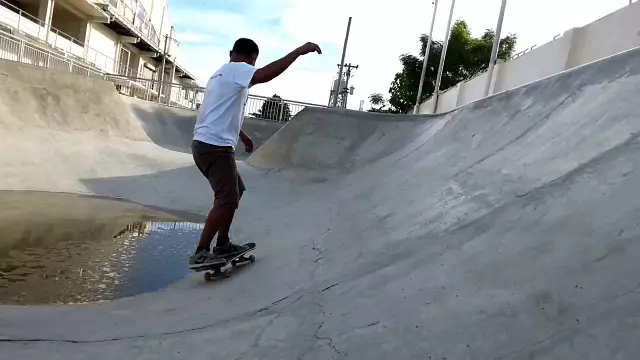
<point>227,273</point>
<point>252,258</point>
<point>207,276</point>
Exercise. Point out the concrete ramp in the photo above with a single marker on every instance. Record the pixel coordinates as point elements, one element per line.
<point>172,128</point>
<point>506,229</point>
<point>341,141</point>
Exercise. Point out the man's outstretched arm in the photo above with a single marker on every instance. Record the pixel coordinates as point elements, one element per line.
<point>273,70</point>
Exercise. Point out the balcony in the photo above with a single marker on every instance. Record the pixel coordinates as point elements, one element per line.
<point>86,8</point>
<point>131,19</point>
<point>18,22</point>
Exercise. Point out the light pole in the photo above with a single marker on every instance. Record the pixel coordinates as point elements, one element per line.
<point>344,51</point>
<point>494,51</point>
<point>426,57</point>
<point>444,54</point>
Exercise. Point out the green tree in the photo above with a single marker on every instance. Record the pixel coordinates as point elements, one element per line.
<point>274,109</point>
<point>379,104</point>
<point>466,57</point>
<point>377,101</point>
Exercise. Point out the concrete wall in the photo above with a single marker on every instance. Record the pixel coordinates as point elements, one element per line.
<point>612,34</point>
<point>449,99</point>
<point>103,43</point>
<point>539,63</point>
<point>470,91</point>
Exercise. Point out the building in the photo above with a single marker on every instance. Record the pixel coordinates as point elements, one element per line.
<point>130,42</point>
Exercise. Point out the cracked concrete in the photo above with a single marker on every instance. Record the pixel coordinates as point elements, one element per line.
<point>506,229</point>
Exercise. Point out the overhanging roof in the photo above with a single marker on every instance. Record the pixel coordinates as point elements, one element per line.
<point>86,9</point>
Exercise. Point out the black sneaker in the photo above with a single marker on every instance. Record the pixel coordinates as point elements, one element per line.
<point>204,258</point>
<point>230,249</point>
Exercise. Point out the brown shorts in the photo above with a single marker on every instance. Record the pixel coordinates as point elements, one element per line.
<point>218,165</point>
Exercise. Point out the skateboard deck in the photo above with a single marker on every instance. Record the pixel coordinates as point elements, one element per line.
<point>215,270</point>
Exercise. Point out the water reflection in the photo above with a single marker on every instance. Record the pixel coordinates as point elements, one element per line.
<point>49,256</point>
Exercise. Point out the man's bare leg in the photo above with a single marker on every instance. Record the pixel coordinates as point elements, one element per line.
<point>225,226</point>
<point>218,221</point>
<point>211,227</point>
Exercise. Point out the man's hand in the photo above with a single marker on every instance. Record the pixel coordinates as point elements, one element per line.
<point>309,48</point>
<point>248,143</point>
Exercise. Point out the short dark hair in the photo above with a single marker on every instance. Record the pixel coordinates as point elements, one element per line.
<point>245,47</point>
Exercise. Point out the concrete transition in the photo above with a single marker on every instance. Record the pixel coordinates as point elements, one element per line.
<point>506,229</point>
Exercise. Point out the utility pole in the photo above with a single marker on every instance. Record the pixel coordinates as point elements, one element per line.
<point>164,58</point>
<point>340,91</point>
<point>494,50</point>
<point>345,91</point>
<point>426,57</point>
<point>167,38</point>
<point>436,92</point>
<point>344,52</point>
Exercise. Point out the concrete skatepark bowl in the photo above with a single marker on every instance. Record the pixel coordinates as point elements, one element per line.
<point>506,229</point>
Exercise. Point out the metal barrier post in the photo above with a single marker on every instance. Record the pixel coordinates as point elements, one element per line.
<point>21,51</point>
<point>282,104</point>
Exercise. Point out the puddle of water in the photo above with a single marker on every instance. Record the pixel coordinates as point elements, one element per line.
<point>63,248</point>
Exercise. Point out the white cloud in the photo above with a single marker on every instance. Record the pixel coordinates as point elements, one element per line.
<point>380,32</point>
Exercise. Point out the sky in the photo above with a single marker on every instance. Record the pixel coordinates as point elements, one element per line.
<point>381,31</point>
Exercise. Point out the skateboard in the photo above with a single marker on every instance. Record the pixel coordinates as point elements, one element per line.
<point>215,270</point>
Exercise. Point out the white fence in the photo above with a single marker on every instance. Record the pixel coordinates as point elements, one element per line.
<point>610,35</point>
<point>15,49</point>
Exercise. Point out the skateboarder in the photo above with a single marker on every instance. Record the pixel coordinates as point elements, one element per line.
<point>216,133</point>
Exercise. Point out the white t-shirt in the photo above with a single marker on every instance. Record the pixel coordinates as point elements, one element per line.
<point>221,114</point>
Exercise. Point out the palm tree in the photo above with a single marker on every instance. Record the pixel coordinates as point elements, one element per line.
<point>377,101</point>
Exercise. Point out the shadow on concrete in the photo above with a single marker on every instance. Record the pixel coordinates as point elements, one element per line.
<point>159,191</point>
<point>167,127</point>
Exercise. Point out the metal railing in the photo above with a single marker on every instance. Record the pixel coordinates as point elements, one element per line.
<point>33,27</point>
<point>128,83</point>
<point>166,93</point>
<point>274,108</point>
<point>134,15</point>
<point>15,49</point>
<point>191,96</point>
